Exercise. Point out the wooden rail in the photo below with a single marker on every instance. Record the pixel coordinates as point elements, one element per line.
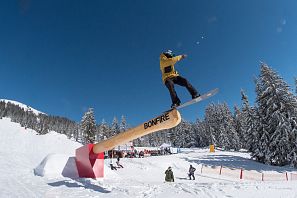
<point>167,120</point>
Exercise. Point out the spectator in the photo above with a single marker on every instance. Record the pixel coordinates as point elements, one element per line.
<point>118,162</point>
<point>141,154</point>
<point>169,175</point>
<point>113,167</point>
<point>191,172</point>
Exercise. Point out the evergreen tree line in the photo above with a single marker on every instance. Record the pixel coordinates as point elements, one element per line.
<point>85,132</point>
<point>267,129</point>
<point>90,132</point>
<point>41,123</point>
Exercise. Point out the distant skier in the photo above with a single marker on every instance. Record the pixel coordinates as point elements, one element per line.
<point>169,175</point>
<point>191,172</point>
<point>170,76</point>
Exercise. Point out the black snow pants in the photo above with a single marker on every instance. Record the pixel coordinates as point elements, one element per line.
<point>182,82</point>
<point>191,175</point>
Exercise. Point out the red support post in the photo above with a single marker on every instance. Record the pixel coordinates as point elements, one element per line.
<point>88,163</point>
<point>241,174</point>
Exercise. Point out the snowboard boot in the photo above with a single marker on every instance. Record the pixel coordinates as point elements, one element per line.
<point>176,104</point>
<point>196,96</point>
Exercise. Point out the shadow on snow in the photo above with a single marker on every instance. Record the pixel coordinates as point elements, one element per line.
<point>79,183</point>
<point>236,162</point>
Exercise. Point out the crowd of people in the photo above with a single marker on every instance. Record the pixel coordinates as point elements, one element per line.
<point>138,154</point>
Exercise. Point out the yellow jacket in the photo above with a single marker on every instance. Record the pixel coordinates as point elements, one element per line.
<point>167,66</point>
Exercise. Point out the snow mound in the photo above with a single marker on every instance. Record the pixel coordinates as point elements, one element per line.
<point>57,165</point>
<point>60,165</point>
<point>23,106</point>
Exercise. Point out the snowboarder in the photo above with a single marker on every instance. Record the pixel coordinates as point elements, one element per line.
<point>191,172</point>
<point>170,76</point>
<point>169,175</point>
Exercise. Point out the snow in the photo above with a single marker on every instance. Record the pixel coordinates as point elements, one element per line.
<point>57,165</point>
<point>25,107</point>
<point>34,165</point>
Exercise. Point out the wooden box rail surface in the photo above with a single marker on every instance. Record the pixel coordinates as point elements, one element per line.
<point>167,120</point>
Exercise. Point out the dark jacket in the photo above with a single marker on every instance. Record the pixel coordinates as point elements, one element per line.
<point>169,175</point>
<point>192,170</point>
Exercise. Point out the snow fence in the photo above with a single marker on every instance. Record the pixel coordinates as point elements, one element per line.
<point>251,175</point>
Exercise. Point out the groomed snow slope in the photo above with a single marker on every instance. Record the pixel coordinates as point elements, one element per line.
<point>22,151</point>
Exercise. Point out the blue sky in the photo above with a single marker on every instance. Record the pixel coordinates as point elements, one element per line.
<point>62,57</point>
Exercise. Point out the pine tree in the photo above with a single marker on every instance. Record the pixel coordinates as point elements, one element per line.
<point>43,125</point>
<point>249,122</point>
<point>238,125</point>
<point>296,85</point>
<point>123,124</point>
<point>227,135</point>
<point>115,128</point>
<point>182,135</point>
<point>277,111</point>
<point>293,139</point>
<point>228,124</point>
<point>220,125</point>
<point>76,132</point>
<point>190,135</point>
<point>202,138</point>
<point>212,123</point>
<point>103,131</point>
<point>88,126</point>
<point>2,109</point>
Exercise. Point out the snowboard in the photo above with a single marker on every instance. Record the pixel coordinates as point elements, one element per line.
<point>200,98</point>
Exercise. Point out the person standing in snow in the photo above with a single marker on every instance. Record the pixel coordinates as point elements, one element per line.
<point>191,172</point>
<point>169,175</point>
<point>170,76</point>
<point>118,162</point>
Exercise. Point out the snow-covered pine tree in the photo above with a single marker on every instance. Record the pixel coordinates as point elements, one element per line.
<point>102,131</point>
<point>115,128</point>
<point>211,123</point>
<point>249,122</point>
<point>220,125</point>
<point>43,125</point>
<point>238,125</point>
<point>293,140</point>
<point>277,107</point>
<point>2,109</point>
<point>88,126</point>
<point>190,136</point>
<point>202,138</point>
<point>123,124</point>
<point>183,135</point>
<point>296,85</point>
<point>171,136</point>
<point>76,130</point>
<point>228,128</point>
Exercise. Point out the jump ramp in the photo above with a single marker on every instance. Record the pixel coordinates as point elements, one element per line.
<point>90,158</point>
